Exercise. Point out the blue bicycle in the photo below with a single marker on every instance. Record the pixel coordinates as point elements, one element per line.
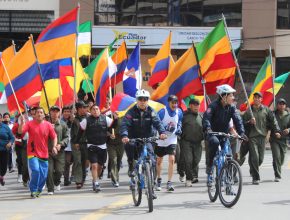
<point>225,180</point>
<point>144,173</point>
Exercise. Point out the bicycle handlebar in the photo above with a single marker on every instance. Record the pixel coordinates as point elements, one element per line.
<point>227,135</point>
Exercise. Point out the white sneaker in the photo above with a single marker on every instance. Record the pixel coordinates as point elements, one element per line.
<point>188,183</point>
<point>19,179</point>
<point>181,178</point>
<point>277,179</point>
<point>57,188</point>
<point>50,193</point>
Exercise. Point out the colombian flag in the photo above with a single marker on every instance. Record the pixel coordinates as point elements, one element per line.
<point>24,76</point>
<point>160,64</point>
<point>120,58</point>
<point>101,80</point>
<point>216,61</point>
<point>55,42</point>
<point>121,103</point>
<point>6,56</point>
<point>182,81</point>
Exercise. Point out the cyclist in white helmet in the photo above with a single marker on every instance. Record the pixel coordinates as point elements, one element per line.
<point>217,118</point>
<point>141,121</point>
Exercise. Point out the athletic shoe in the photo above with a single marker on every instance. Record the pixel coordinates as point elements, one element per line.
<point>115,184</point>
<point>256,182</point>
<point>170,187</point>
<point>96,187</point>
<point>57,188</point>
<point>277,179</point>
<point>79,185</point>
<point>19,179</point>
<point>33,195</point>
<point>50,193</point>
<point>209,180</point>
<point>194,180</point>
<point>158,184</point>
<point>188,183</point>
<point>181,178</point>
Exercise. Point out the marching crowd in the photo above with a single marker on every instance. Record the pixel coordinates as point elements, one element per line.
<point>71,142</point>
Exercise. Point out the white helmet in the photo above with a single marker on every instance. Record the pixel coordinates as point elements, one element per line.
<point>224,89</point>
<point>142,93</point>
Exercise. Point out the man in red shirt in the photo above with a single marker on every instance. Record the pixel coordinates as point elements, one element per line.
<point>39,132</point>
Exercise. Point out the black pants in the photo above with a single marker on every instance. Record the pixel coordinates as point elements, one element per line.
<point>213,144</point>
<point>21,160</point>
<point>4,156</point>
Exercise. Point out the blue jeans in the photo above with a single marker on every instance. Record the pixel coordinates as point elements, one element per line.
<point>38,170</point>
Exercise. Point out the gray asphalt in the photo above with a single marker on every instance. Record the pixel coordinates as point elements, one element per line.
<point>269,200</point>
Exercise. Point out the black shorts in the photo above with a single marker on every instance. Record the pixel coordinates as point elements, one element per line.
<point>97,155</point>
<point>162,151</point>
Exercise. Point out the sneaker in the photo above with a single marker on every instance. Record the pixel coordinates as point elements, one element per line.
<point>79,185</point>
<point>2,182</point>
<point>115,184</point>
<point>67,183</point>
<point>277,179</point>
<point>57,188</point>
<point>194,180</point>
<point>19,179</point>
<point>188,183</point>
<point>256,182</point>
<point>154,196</point>
<point>181,178</point>
<point>131,173</point>
<point>11,170</point>
<point>25,184</point>
<point>170,187</point>
<point>37,194</point>
<point>50,193</point>
<point>158,184</point>
<point>33,195</point>
<point>96,187</point>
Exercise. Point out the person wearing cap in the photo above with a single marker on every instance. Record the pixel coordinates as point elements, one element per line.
<point>217,119</point>
<point>191,148</point>
<point>56,162</point>
<point>171,117</point>
<point>257,130</point>
<point>140,121</point>
<point>279,146</point>
<point>79,146</point>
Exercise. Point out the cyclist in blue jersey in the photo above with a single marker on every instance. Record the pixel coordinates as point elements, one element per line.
<point>217,118</point>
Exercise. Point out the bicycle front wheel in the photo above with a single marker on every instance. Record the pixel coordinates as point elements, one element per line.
<point>136,190</point>
<point>213,189</point>
<point>230,184</point>
<point>149,187</point>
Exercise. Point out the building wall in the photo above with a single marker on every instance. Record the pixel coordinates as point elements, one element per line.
<point>259,20</point>
<point>86,6</point>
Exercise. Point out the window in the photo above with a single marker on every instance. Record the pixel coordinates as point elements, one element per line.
<point>283,12</point>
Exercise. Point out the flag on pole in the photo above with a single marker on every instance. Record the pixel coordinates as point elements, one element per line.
<point>216,60</point>
<point>160,63</point>
<point>57,41</point>
<point>85,39</point>
<point>7,55</point>
<point>262,84</point>
<point>101,79</point>
<point>24,76</point>
<point>132,78</point>
<point>182,81</point>
<point>120,59</point>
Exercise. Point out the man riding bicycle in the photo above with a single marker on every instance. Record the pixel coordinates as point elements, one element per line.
<point>217,118</point>
<point>141,121</point>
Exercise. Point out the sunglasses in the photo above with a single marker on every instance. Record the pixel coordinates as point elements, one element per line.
<point>144,99</point>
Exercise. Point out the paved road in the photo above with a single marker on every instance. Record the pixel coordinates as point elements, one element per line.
<point>269,200</point>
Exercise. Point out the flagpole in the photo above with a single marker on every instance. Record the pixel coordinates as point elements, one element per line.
<point>7,75</point>
<point>115,75</point>
<point>76,56</point>
<point>60,94</point>
<point>273,76</point>
<point>40,72</point>
<point>238,67</point>
<point>200,76</point>
<point>140,68</point>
